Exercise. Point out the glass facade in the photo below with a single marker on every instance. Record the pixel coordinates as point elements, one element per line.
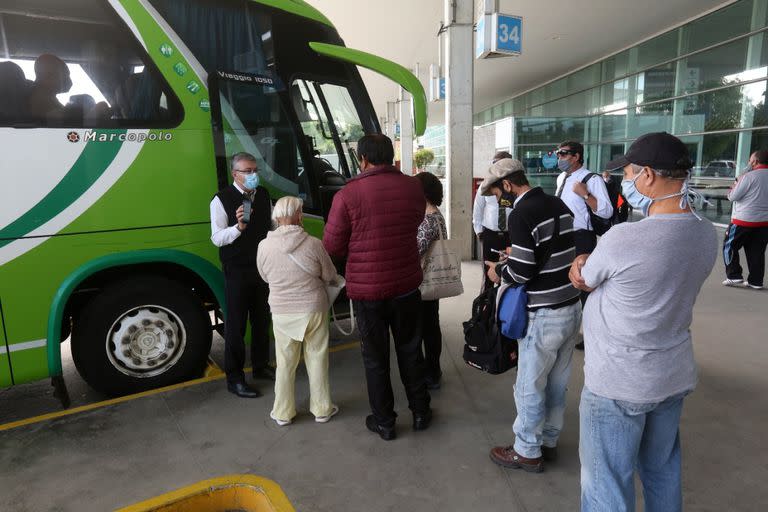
<point>705,82</point>
<point>434,139</point>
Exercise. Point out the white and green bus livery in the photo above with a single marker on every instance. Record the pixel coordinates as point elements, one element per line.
<point>117,118</point>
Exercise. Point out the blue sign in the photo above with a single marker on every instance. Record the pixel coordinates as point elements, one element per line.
<point>549,160</point>
<point>509,34</point>
<point>441,91</point>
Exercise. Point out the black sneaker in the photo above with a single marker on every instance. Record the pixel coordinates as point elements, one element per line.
<point>422,421</point>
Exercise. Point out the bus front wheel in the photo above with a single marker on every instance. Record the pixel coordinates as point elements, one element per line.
<point>141,334</point>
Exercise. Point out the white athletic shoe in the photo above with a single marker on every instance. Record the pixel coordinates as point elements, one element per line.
<point>754,286</point>
<point>326,419</point>
<point>282,423</point>
<point>733,282</point>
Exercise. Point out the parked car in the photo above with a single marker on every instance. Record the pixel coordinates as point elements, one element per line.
<point>719,169</point>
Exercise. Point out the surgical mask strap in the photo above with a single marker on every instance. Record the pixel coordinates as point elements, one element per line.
<point>692,198</point>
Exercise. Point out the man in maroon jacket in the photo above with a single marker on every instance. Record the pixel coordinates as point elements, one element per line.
<point>373,223</point>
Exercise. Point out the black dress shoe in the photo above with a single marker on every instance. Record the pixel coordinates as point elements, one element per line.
<point>422,421</point>
<point>266,373</point>
<point>386,433</point>
<point>242,390</point>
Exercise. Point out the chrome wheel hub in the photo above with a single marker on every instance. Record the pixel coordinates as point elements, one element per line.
<point>146,341</point>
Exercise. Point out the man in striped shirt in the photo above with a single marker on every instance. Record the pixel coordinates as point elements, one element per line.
<point>542,249</point>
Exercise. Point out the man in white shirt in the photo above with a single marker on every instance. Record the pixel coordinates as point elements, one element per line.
<point>490,224</point>
<point>580,197</point>
<point>237,230</point>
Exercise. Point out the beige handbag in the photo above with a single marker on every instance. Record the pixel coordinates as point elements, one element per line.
<point>332,290</point>
<point>442,271</point>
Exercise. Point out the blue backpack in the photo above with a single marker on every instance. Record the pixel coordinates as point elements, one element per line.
<point>512,305</point>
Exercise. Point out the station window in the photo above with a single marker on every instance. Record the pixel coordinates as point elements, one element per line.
<point>74,64</point>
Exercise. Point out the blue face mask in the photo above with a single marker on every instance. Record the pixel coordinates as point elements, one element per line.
<point>634,197</point>
<point>643,203</point>
<point>563,165</point>
<point>252,181</point>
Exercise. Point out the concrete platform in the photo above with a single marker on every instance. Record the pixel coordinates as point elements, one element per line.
<point>117,455</point>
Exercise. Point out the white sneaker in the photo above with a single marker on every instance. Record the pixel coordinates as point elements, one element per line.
<point>733,282</point>
<point>754,286</point>
<point>326,419</point>
<point>282,423</point>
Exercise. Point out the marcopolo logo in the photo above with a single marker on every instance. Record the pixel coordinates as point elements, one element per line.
<point>92,136</point>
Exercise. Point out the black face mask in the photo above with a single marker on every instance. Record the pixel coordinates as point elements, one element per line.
<point>507,199</point>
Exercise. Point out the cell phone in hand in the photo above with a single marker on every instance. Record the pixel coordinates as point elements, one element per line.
<point>502,254</point>
<point>246,211</point>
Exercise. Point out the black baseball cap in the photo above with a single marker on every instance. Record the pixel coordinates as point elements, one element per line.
<point>658,150</point>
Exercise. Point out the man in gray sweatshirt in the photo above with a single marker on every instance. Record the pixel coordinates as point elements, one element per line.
<point>644,278</point>
<point>749,224</point>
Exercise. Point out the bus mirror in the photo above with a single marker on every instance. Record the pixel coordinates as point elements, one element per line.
<point>389,69</point>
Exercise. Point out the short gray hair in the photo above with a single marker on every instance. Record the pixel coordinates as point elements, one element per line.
<point>286,206</point>
<point>674,174</point>
<point>239,157</point>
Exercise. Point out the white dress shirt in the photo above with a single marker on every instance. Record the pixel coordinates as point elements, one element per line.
<point>576,203</point>
<point>221,232</point>
<point>485,213</point>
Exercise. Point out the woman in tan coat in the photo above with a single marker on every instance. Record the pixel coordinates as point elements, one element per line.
<point>296,267</point>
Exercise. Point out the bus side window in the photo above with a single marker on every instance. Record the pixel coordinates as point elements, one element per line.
<point>80,67</point>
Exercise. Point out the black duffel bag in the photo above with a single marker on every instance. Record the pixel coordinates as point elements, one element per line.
<point>485,348</point>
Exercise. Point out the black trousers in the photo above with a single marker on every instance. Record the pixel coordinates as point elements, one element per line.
<point>246,295</point>
<point>754,242</point>
<point>375,319</point>
<point>498,240</point>
<point>432,337</point>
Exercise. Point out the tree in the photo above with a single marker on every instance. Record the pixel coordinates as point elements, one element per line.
<point>423,158</point>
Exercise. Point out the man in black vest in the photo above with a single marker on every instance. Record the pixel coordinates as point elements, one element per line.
<point>246,293</point>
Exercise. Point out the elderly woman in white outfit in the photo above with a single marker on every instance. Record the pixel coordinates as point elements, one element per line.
<point>296,267</point>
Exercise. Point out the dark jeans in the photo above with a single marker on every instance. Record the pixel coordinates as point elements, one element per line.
<point>246,295</point>
<point>432,336</point>
<point>754,242</point>
<point>497,240</point>
<point>375,319</point>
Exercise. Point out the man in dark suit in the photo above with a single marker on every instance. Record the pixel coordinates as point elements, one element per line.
<point>237,235</point>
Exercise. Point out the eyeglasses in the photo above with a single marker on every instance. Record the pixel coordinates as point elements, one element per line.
<point>247,171</point>
<point>565,152</point>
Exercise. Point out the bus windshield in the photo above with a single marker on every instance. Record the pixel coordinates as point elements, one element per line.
<point>294,125</point>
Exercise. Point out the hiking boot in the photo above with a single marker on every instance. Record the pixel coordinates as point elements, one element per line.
<point>507,456</point>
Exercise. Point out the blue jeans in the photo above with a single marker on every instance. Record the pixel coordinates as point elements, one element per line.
<point>616,437</point>
<point>544,367</point>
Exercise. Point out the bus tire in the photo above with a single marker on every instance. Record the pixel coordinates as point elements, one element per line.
<point>141,334</point>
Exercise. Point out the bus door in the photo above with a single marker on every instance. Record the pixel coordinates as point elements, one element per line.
<point>5,363</point>
<point>249,114</point>
<point>331,127</point>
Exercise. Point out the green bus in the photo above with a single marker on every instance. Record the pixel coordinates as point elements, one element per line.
<point>117,118</point>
